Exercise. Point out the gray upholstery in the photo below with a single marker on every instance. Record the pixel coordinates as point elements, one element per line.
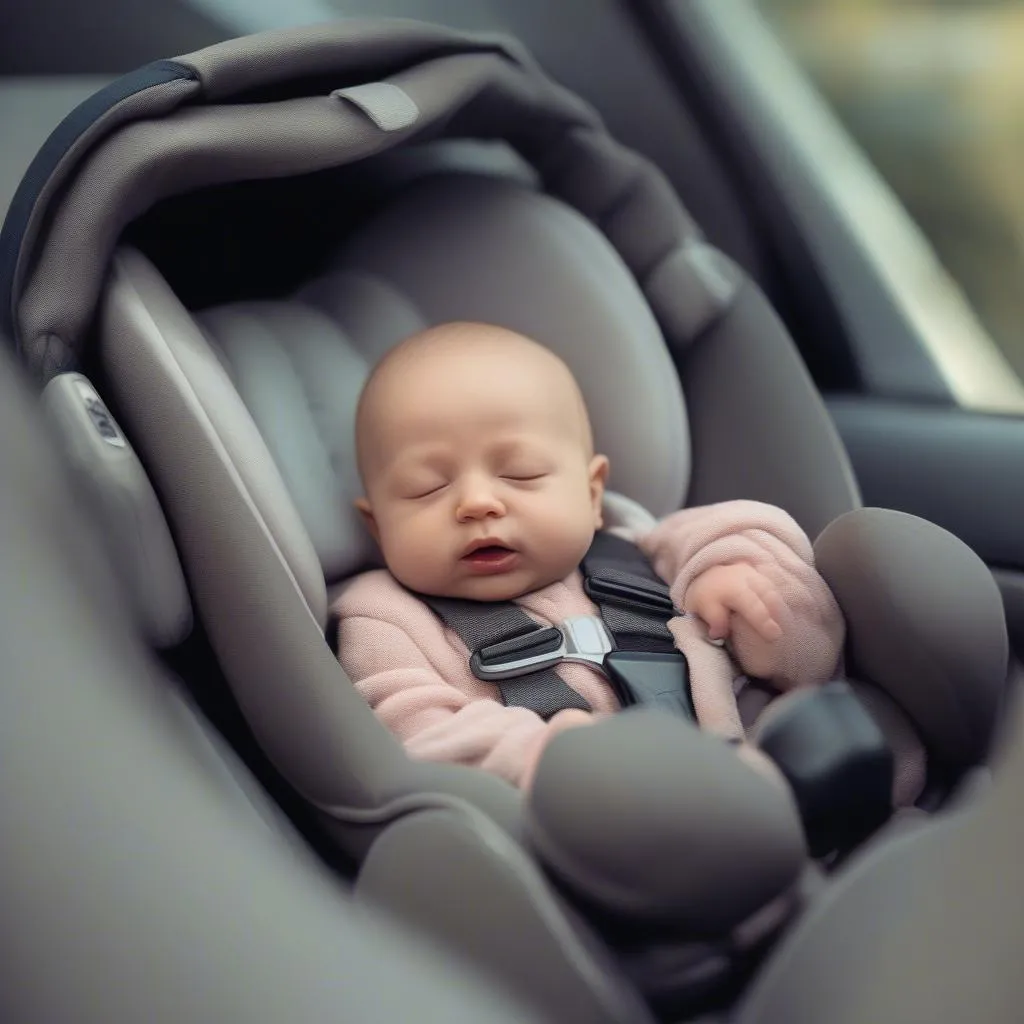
<point>354,46</point>
<point>299,373</point>
<point>252,569</point>
<point>478,249</point>
<point>145,316</point>
<point>925,624</point>
<point>204,146</point>
<point>924,927</point>
<point>427,867</point>
<point>442,73</point>
<point>132,522</point>
<point>661,823</point>
<point>453,86</point>
<point>299,365</point>
<point>144,876</point>
<point>150,102</point>
<point>758,426</point>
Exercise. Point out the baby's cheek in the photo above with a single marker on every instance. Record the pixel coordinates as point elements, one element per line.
<point>569,542</point>
<point>398,543</point>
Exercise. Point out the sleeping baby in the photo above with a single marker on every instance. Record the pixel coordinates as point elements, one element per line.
<point>481,483</point>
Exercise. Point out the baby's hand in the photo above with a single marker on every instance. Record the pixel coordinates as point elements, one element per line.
<point>722,591</point>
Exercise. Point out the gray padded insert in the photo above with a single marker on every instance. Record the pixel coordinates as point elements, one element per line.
<point>299,371</point>
<point>454,247</point>
<point>480,249</point>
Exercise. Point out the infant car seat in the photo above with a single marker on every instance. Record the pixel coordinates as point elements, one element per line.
<point>224,244</point>
<point>928,927</point>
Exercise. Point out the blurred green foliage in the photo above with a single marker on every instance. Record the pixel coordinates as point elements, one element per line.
<point>933,91</point>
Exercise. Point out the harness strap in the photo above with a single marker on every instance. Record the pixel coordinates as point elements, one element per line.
<point>634,603</point>
<point>493,631</point>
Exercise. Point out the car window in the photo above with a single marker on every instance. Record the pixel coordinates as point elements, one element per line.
<point>933,92</point>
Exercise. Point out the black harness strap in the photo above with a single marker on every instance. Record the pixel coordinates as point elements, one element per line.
<point>494,631</point>
<point>645,667</point>
<point>634,603</point>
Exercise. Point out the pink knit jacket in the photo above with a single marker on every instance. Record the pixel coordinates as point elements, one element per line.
<point>415,674</point>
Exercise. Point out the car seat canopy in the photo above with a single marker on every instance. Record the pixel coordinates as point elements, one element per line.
<point>288,103</point>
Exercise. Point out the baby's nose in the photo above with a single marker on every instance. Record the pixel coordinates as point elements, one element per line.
<point>478,500</point>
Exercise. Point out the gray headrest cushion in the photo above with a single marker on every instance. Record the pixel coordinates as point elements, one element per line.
<point>457,247</point>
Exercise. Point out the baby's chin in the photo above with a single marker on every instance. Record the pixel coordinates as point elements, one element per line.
<point>495,588</point>
<point>508,586</point>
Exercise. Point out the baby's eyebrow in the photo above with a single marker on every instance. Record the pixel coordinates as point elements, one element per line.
<point>517,446</point>
<point>418,457</point>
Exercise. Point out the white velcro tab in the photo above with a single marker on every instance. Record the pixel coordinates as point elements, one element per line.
<point>386,105</point>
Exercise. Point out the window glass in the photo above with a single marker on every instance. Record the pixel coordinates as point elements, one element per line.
<point>933,91</point>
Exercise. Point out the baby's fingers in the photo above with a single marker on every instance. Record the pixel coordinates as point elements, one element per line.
<point>755,609</point>
<point>769,593</point>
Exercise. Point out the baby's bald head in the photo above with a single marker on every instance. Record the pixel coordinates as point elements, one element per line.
<point>468,359</point>
<point>469,434</point>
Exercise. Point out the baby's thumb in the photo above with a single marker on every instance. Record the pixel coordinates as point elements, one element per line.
<point>716,617</point>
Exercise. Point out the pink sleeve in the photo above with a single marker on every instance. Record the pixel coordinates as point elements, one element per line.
<point>686,543</point>
<point>393,651</point>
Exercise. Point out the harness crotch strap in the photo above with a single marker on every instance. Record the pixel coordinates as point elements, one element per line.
<point>630,642</point>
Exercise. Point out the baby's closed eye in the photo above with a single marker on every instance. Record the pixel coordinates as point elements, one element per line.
<point>523,476</point>
<point>524,469</point>
<point>428,492</point>
<point>413,488</point>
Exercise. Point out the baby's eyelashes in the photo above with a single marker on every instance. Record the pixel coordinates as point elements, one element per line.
<point>413,492</point>
<point>414,488</point>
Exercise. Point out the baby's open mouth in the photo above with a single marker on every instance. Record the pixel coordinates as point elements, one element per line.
<point>488,553</point>
<point>490,557</point>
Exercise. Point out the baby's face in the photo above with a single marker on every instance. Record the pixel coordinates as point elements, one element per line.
<point>480,482</point>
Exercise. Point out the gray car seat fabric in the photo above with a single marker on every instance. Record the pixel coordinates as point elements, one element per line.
<point>143,875</point>
<point>926,927</point>
<point>467,248</point>
<point>254,571</point>
<point>134,526</point>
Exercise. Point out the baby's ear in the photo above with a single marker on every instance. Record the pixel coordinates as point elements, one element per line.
<point>369,520</point>
<point>599,468</point>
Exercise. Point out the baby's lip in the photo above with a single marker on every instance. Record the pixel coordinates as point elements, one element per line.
<point>485,542</point>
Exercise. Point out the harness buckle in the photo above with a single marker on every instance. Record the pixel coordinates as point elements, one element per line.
<point>583,638</point>
<point>653,680</point>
